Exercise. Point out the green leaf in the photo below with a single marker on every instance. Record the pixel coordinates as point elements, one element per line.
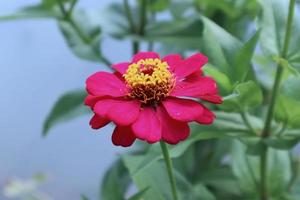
<point>287,108</point>
<point>245,95</point>
<point>83,197</point>
<point>153,177</point>
<point>224,84</point>
<point>273,24</point>
<point>139,195</point>
<point>182,33</point>
<point>201,192</point>
<point>242,61</point>
<point>286,65</point>
<point>225,126</point>
<point>82,36</point>
<point>157,5</point>
<point>29,12</point>
<point>67,107</point>
<point>116,182</point>
<point>247,169</point>
<point>218,43</point>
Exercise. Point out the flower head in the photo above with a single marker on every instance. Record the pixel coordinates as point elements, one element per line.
<point>152,99</point>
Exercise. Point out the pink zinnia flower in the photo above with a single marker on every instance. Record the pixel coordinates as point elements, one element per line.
<point>152,99</point>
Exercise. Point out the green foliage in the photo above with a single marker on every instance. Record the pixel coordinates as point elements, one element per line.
<point>116,182</point>
<point>82,37</point>
<point>67,107</point>
<point>245,96</point>
<point>244,41</point>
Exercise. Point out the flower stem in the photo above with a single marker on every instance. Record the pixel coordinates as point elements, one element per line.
<point>67,17</point>
<point>169,166</point>
<point>274,94</point>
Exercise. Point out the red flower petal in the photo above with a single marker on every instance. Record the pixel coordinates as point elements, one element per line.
<point>204,88</point>
<point>123,136</point>
<point>98,122</point>
<point>173,131</point>
<point>105,84</point>
<point>147,126</point>
<point>183,109</point>
<point>144,55</point>
<point>121,67</point>
<point>174,61</point>
<point>207,117</point>
<point>120,111</point>
<point>91,100</point>
<point>190,65</point>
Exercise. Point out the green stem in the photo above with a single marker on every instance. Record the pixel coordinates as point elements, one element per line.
<point>274,94</point>
<point>143,17</point>
<point>263,174</point>
<point>72,6</point>
<point>279,70</point>
<point>135,44</point>
<point>67,16</point>
<point>151,43</point>
<point>169,166</point>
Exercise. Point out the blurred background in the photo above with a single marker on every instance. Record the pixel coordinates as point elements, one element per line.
<point>36,67</point>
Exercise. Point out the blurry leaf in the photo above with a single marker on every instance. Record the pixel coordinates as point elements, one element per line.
<point>242,62</point>
<point>113,20</point>
<point>245,95</point>
<point>246,168</point>
<point>82,37</point>
<point>67,107</point>
<point>283,143</point>
<point>153,177</point>
<point>287,109</point>
<point>139,195</point>
<point>115,182</point>
<point>182,33</point>
<point>36,11</point>
<point>225,126</point>
<point>179,8</point>
<point>273,24</point>
<point>201,192</point>
<point>218,43</point>
<point>224,84</point>
<point>83,197</point>
<point>286,65</point>
<point>157,5</point>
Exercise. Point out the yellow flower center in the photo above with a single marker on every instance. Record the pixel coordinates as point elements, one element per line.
<point>149,81</point>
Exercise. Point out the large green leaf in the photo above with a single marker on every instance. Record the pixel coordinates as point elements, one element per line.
<point>153,177</point>
<point>225,126</point>
<point>227,53</point>
<point>247,169</point>
<point>245,95</point>
<point>242,60</point>
<point>67,107</point>
<point>218,43</point>
<point>116,182</point>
